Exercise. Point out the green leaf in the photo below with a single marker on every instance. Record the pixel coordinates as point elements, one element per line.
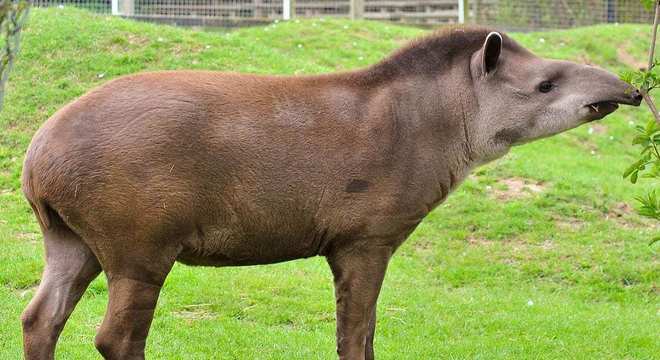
<point>630,169</point>
<point>640,139</point>
<point>650,206</point>
<point>650,127</point>
<point>654,240</point>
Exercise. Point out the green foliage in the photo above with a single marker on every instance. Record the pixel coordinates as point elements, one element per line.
<point>650,205</point>
<point>643,79</point>
<point>648,138</point>
<point>648,4</point>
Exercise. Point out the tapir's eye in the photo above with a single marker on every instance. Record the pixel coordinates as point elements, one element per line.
<point>545,86</point>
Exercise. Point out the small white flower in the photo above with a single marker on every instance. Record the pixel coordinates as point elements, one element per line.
<point>60,6</point>
<point>276,21</point>
<point>541,40</point>
<point>299,46</point>
<point>631,123</point>
<point>611,137</point>
<point>591,130</point>
<point>489,188</point>
<point>100,76</point>
<point>593,152</point>
<point>361,58</point>
<point>207,46</point>
<point>354,43</point>
<point>160,39</point>
<point>530,302</point>
<point>345,27</point>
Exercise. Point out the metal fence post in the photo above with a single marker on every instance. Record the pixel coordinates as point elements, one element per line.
<point>461,11</point>
<point>115,7</point>
<point>357,9</point>
<point>288,9</point>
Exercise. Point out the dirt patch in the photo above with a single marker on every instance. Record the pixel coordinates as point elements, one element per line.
<point>516,188</point>
<point>584,59</point>
<point>27,293</point>
<point>195,312</point>
<point>479,241</point>
<point>570,224</point>
<point>137,40</point>
<point>423,245</point>
<point>626,58</point>
<point>598,129</point>
<point>30,237</point>
<point>620,213</point>
<point>626,216</point>
<point>124,42</point>
<point>547,245</point>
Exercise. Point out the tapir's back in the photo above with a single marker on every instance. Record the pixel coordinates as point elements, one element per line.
<point>213,158</point>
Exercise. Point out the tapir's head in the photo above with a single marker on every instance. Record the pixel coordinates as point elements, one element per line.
<point>521,97</point>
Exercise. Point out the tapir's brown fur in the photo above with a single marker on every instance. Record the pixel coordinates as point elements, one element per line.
<point>221,169</point>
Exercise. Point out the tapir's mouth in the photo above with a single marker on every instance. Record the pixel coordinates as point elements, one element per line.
<point>599,110</point>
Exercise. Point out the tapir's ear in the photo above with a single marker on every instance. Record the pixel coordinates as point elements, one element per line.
<point>491,52</point>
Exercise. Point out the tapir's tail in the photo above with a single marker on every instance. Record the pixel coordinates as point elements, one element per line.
<point>39,206</point>
<point>31,193</point>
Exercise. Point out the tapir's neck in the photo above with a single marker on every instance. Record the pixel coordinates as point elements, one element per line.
<point>434,115</point>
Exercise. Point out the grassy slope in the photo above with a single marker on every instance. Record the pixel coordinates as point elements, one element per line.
<point>461,287</point>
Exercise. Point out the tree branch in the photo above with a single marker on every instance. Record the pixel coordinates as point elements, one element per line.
<point>653,36</point>
<point>645,92</point>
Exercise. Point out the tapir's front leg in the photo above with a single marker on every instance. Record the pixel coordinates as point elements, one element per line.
<point>358,273</point>
<point>369,345</point>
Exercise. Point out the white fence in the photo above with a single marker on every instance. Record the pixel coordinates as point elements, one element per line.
<point>208,11</point>
<point>507,14</point>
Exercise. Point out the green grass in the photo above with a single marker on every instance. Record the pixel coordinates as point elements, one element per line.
<point>564,273</point>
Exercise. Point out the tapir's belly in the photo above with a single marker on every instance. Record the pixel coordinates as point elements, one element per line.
<point>222,246</point>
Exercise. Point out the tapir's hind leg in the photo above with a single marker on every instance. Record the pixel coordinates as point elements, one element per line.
<point>70,267</point>
<point>135,276</point>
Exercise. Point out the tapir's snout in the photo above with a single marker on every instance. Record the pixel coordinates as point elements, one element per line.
<point>636,98</point>
<point>606,86</point>
<point>608,91</point>
<point>630,96</point>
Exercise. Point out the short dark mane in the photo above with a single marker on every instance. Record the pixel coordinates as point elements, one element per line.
<point>429,54</point>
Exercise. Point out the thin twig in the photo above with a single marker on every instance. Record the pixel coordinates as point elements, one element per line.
<point>651,105</point>
<point>645,92</point>
<point>653,36</point>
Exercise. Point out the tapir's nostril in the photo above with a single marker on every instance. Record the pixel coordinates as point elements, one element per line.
<point>637,96</point>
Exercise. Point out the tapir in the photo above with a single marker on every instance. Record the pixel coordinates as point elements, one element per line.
<point>226,169</point>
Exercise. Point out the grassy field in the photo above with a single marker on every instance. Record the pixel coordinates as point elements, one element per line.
<point>537,256</point>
